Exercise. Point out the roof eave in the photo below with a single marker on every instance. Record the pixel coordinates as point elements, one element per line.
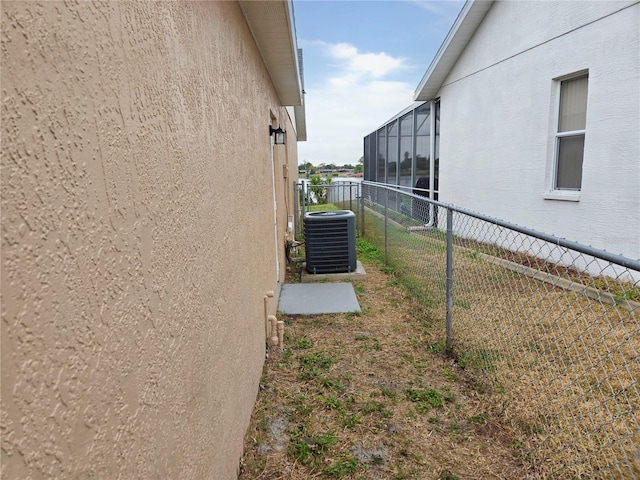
<point>465,25</point>
<point>273,28</point>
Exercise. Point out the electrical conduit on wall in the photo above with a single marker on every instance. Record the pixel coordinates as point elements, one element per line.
<point>275,208</point>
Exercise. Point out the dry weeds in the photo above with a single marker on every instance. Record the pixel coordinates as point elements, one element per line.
<point>563,349</point>
<point>569,366</point>
<point>373,396</point>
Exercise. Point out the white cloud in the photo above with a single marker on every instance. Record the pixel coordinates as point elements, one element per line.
<point>376,64</point>
<point>361,91</point>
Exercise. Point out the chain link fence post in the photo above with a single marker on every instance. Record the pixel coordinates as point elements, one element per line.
<point>449,287</point>
<point>386,227</point>
<point>305,198</point>
<point>362,222</point>
<point>296,208</point>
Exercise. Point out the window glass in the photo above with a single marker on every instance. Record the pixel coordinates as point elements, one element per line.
<point>569,176</point>
<point>573,105</point>
<point>572,116</point>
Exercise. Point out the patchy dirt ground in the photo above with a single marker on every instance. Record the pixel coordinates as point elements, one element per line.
<point>372,396</point>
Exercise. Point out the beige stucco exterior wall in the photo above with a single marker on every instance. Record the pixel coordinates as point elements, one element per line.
<point>137,237</point>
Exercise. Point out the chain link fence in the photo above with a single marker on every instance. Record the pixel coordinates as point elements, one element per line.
<point>549,330</point>
<point>341,194</point>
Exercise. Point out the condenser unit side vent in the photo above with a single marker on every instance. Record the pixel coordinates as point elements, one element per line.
<point>330,241</point>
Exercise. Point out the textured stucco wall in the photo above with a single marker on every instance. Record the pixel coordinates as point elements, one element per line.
<point>498,119</point>
<point>137,237</point>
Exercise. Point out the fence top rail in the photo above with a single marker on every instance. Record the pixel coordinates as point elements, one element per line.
<point>340,181</point>
<point>563,242</point>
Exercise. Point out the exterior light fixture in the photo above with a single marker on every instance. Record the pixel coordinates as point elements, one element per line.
<point>279,135</point>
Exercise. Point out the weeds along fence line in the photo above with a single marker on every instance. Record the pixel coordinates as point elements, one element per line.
<point>548,328</point>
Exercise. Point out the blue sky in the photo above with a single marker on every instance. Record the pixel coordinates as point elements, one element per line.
<point>362,63</point>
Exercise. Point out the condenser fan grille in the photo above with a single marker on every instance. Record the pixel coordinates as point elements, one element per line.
<point>330,239</point>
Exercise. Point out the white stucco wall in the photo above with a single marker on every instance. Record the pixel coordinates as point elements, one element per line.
<point>498,120</point>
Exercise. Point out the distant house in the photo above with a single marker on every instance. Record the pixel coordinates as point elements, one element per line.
<point>535,111</point>
<point>145,210</point>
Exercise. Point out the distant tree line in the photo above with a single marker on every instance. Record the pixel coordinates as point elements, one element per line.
<point>311,169</point>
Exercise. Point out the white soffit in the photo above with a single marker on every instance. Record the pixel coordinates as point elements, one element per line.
<point>301,122</point>
<point>467,22</point>
<point>273,28</point>
<point>300,110</point>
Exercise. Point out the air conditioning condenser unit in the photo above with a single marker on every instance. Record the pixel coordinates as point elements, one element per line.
<point>330,241</point>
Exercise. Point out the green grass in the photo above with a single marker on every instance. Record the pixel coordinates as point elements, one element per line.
<point>368,251</point>
<point>387,392</point>
<point>480,359</point>
<point>447,475</point>
<point>313,365</point>
<point>326,207</point>
<point>424,399</point>
<point>480,419</point>
<point>351,420</point>
<point>407,248</point>
<point>343,468</point>
<point>332,402</point>
<point>311,450</point>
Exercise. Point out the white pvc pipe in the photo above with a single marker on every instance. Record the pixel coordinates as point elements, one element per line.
<point>281,334</point>
<point>274,330</point>
<point>266,298</point>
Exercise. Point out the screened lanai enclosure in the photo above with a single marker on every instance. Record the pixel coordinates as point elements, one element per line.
<point>405,151</point>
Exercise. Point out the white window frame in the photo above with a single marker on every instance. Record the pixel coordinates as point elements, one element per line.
<point>555,193</point>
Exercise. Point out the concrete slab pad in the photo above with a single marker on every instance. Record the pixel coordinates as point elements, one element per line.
<point>359,274</point>
<point>317,298</point>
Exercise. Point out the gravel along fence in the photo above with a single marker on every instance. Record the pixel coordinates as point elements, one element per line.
<point>550,328</point>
